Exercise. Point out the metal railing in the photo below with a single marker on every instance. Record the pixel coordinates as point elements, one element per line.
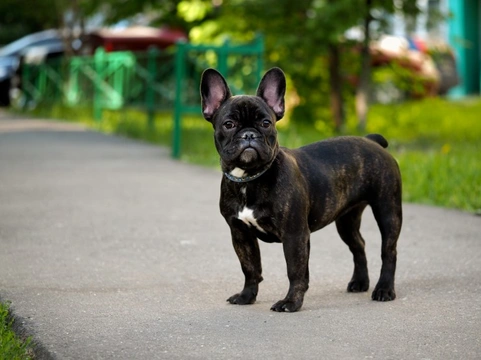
<point>154,80</point>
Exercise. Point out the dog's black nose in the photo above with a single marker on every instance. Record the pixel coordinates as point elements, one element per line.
<point>249,135</point>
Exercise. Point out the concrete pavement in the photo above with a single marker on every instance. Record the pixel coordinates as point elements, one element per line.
<point>109,249</point>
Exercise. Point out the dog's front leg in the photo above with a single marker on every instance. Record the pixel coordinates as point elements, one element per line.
<point>246,247</point>
<point>296,252</point>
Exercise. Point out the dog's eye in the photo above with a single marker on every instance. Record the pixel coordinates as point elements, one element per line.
<point>229,124</point>
<point>266,123</point>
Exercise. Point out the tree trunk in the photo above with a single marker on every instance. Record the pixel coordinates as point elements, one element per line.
<point>335,87</point>
<point>362,92</point>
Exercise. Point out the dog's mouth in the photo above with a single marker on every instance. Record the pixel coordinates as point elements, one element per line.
<point>248,155</point>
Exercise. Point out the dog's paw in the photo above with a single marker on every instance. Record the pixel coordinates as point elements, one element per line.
<point>358,285</point>
<point>242,298</point>
<point>383,294</point>
<point>286,306</point>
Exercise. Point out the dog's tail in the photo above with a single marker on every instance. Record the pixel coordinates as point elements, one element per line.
<point>377,138</point>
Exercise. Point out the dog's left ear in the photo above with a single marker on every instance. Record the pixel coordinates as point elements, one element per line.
<point>272,89</point>
<point>213,91</point>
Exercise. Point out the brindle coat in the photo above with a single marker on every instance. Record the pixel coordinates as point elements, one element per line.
<point>302,190</point>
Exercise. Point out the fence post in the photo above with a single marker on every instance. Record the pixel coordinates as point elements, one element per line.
<point>73,83</point>
<point>41,82</point>
<point>99,59</point>
<point>178,103</point>
<point>152,56</point>
<point>58,67</point>
<point>27,82</point>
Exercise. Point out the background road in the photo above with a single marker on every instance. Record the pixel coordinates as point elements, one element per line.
<point>109,249</point>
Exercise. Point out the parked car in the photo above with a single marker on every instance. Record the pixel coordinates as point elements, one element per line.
<point>48,43</point>
<point>135,38</point>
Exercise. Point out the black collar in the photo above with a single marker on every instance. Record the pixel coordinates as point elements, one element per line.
<point>246,178</point>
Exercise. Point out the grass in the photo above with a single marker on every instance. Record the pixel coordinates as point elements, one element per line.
<point>436,142</point>
<point>443,176</point>
<point>11,346</point>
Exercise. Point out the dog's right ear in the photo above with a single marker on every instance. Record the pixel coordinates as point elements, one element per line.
<point>272,89</point>
<point>213,91</point>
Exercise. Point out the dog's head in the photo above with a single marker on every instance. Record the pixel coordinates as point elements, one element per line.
<point>245,132</point>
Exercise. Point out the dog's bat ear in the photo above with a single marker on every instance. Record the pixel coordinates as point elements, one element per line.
<point>272,89</point>
<point>213,91</point>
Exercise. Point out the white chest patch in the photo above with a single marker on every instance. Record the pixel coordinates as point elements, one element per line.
<point>247,216</point>
<point>238,172</point>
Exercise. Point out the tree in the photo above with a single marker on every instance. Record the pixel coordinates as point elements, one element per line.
<point>362,91</point>
<point>299,37</point>
<point>410,10</point>
<point>17,18</point>
<point>306,38</point>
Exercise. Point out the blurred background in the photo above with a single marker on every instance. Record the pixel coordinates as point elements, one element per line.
<point>408,69</point>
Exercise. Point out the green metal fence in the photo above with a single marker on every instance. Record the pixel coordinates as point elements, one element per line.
<point>154,80</point>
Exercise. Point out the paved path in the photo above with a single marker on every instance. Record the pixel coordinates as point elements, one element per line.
<point>108,249</point>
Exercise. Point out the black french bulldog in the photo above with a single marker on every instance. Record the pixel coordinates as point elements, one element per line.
<point>281,195</point>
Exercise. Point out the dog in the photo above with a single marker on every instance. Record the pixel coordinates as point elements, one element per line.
<point>281,195</point>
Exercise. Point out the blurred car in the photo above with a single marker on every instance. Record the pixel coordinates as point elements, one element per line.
<point>136,38</point>
<point>48,43</point>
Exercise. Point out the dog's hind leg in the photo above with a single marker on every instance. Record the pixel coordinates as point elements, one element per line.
<point>348,228</point>
<point>388,215</point>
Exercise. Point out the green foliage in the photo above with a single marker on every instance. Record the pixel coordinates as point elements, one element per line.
<point>11,347</point>
<point>17,18</point>
<point>193,11</point>
<point>432,120</point>
<point>448,175</point>
<point>437,145</point>
<point>297,35</point>
<point>403,79</point>
<point>159,12</point>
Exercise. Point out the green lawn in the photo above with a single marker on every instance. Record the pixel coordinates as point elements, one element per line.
<point>11,347</point>
<point>438,146</point>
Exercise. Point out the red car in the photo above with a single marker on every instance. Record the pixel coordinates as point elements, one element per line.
<point>137,38</point>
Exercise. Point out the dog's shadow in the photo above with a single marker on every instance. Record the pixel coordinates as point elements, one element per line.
<point>331,297</point>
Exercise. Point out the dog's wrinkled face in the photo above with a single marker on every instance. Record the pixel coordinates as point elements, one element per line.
<point>245,132</point>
